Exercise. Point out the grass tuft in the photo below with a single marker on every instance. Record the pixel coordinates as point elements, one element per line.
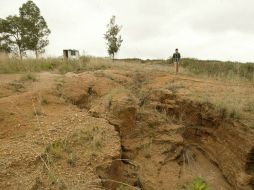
<point>29,77</point>
<point>16,86</point>
<point>197,184</point>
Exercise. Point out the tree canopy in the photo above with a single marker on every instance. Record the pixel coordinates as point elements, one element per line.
<point>114,40</point>
<point>27,31</point>
<point>36,31</point>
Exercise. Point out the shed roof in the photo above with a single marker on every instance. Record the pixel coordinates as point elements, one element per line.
<point>70,50</point>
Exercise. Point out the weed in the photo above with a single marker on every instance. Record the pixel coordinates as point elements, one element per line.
<point>90,137</point>
<point>2,95</point>
<point>121,187</point>
<point>147,148</point>
<point>59,86</point>
<point>109,100</point>
<point>144,98</point>
<point>70,66</point>
<point>222,111</point>
<point>226,111</point>
<point>65,149</point>
<point>43,101</point>
<point>16,86</point>
<point>139,79</point>
<point>58,150</point>
<point>55,180</point>
<point>249,107</point>
<point>234,114</point>
<point>118,91</point>
<point>29,77</point>
<point>197,184</point>
<point>71,160</point>
<point>174,87</point>
<point>164,116</point>
<point>38,112</point>
<point>52,177</point>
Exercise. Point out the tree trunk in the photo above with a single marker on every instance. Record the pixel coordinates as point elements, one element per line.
<point>113,57</point>
<point>36,54</point>
<point>20,54</point>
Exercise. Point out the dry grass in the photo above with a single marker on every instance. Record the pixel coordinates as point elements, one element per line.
<point>233,71</point>
<point>174,87</point>
<point>91,139</point>
<point>17,86</point>
<point>231,101</point>
<point>223,100</point>
<point>29,77</point>
<point>58,65</point>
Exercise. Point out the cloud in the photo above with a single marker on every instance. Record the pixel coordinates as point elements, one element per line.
<point>211,29</point>
<point>226,15</point>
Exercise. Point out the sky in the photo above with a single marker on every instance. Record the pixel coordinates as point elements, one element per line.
<point>151,29</point>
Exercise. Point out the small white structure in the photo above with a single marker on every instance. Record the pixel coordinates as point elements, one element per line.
<point>71,54</point>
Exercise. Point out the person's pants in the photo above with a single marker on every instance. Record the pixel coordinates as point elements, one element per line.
<point>176,63</point>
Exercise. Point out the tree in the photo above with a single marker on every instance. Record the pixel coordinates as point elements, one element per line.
<point>4,45</point>
<point>28,31</point>
<point>11,35</point>
<point>114,40</point>
<point>36,30</point>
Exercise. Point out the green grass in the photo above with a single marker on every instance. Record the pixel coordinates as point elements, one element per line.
<point>197,184</point>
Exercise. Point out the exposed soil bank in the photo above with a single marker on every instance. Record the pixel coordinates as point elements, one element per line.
<point>167,141</point>
<point>118,130</point>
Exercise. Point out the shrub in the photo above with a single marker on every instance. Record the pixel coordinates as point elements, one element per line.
<point>197,184</point>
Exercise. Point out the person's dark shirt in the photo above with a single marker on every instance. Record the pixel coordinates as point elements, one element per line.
<point>176,57</point>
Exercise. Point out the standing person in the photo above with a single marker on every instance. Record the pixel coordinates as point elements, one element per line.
<point>176,59</point>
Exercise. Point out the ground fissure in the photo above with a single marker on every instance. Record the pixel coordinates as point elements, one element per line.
<point>122,130</point>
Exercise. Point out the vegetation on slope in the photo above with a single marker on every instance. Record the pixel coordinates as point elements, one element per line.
<point>215,69</point>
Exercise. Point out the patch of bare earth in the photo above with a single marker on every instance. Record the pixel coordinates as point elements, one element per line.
<point>117,129</point>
